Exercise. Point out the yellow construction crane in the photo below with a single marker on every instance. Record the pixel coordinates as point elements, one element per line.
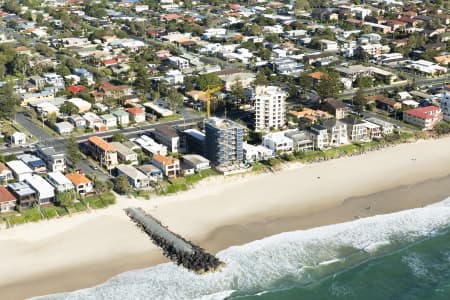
<point>209,91</point>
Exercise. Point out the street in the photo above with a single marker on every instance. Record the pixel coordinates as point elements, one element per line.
<point>35,130</point>
<point>60,143</point>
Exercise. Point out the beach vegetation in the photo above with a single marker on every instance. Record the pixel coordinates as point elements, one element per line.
<point>66,199</point>
<point>122,185</point>
<point>143,194</point>
<point>99,200</point>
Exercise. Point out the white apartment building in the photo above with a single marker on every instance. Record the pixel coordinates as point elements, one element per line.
<point>270,108</point>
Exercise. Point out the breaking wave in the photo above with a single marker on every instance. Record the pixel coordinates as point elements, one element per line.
<point>297,257</point>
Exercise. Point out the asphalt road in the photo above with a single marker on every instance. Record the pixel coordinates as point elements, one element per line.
<point>60,143</point>
<point>418,82</point>
<point>35,130</point>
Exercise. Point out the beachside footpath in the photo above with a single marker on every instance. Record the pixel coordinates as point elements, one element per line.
<point>84,250</point>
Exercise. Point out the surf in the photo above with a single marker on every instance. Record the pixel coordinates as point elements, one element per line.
<point>296,258</point>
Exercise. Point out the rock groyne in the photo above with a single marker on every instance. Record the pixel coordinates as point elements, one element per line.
<point>175,247</point>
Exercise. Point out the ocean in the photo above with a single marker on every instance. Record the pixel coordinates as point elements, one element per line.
<point>404,255</point>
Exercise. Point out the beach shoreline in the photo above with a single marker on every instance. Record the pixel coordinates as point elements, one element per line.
<point>79,252</point>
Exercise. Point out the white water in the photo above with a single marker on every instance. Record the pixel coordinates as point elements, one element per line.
<point>259,264</point>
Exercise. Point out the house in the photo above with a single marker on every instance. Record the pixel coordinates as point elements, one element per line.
<point>373,130</point>
<point>335,107</point>
<point>34,162</point>
<point>168,136</point>
<point>301,140</point>
<point>77,121</point>
<point>149,145</point>
<point>196,161</point>
<point>82,105</point>
<point>82,184</point>
<point>41,96</point>
<point>232,77</point>
<point>174,77</point>
<point>92,120</point>
<point>151,171</point>
<point>102,151</point>
<point>18,138</point>
<point>319,135</point>
<point>125,154</point>
<point>107,90</point>
<point>55,160</point>
<point>63,128</point>
<point>278,142</point>
<point>109,120</point>
<point>136,178</point>
<point>424,117</point>
<point>24,194</point>
<point>83,73</point>
<point>19,169</point>
<point>178,62</point>
<point>169,165</point>
<point>337,132</point>
<point>45,191</point>
<point>60,182</point>
<point>192,141</point>
<point>253,153</point>
<point>137,114</point>
<point>356,129</point>
<point>122,117</point>
<point>5,174</point>
<point>386,127</point>
<point>384,103</point>
<point>7,200</point>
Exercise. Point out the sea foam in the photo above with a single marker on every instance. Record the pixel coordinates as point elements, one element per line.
<point>260,264</point>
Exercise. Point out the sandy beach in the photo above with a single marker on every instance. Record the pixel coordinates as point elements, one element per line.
<point>85,250</point>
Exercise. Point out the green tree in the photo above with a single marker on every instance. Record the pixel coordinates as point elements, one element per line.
<point>174,99</point>
<point>73,150</point>
<point>442,128</point>
<point>261,78</point>
<point>329,85</point>
<point>301,5</point>
<point>207,80</point>
<point>101,186</point>
<point>8,102</point>
<point>118,137</point>
<point>122,185</point>
<point>364,82</point>
<point>238,92</point>
<point>265,54</point>
<point>359,100</point>
<point>305,82</point>
<point>66,199</point>
<point>69,108</point>
<point>51,118</point>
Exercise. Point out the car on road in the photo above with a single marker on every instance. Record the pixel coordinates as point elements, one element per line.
<point>94,167</point>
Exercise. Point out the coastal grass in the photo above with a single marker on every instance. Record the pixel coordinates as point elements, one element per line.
<point>180,184</point>
<point>100,200</point>
<point>47,212</point>
<point>143,194</point>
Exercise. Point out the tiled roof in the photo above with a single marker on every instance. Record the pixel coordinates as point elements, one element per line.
<point>5,195</point>
<point>165,160</point>
<point>78,179</point>
<point>101,143</point>
<point>427,112</point>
